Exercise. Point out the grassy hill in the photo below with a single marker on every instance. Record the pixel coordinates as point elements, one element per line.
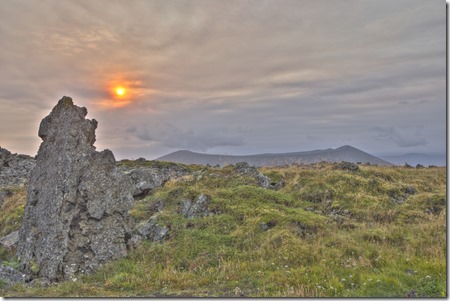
<point>373,232</point>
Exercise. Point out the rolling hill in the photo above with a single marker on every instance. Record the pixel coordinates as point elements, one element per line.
<point>343,153</point>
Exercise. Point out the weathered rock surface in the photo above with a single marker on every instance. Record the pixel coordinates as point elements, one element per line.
<point>198,208</point>
<point>10,276</point>
<point>146,179</point>
<point>347,166</point>
<point>76,213</point>
<point>151,230</point>
<point>14,168</point>
<point>245,169</point>
<point>10,241</point>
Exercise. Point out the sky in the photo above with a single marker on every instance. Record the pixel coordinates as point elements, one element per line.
<point>229,77</point>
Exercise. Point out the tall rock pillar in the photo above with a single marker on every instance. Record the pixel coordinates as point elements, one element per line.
<point>76,215</point>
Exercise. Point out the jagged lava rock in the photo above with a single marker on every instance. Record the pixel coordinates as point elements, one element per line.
<point>76,215</point>
<point>14,168</point>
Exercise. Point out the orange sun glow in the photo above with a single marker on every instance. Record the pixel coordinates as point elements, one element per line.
<point>120,91</point>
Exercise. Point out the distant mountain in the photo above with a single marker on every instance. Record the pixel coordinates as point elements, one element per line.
<point>343,153</point>
<point>414,159</point>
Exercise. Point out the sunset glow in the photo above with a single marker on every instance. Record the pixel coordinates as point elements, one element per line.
<point>120,91</point>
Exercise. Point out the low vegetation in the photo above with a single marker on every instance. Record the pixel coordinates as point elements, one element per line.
<point>327,232</point>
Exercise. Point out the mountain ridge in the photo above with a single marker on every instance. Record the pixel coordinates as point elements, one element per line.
<point>342,153</point>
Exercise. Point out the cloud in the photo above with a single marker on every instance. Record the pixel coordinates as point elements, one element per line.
<point>284,71</point>
<point>403,137</point>
<point>174,137</point>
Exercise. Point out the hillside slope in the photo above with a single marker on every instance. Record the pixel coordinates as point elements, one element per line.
<point>343,153</point>
<point>321,231</point>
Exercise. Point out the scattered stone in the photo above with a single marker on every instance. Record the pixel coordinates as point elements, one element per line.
<point>264,226</point>
<point>10,241</point>
<point>245,169</point>
<point>268,225</point>
<point>347,166</point>
<point>197,209</point>
<point>156,207</point>
<point>412,294</point>
<point>402,196</point>
<point>409,190</point>
<point>418,166</point>
<point>152,231</point>
<point>76,215</point>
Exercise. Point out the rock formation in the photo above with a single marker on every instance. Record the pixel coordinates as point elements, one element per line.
<point>244,169</point>
<point>197,208</point>
<point>14,168</point>
<point>76,216</point>
<point>145,178</point>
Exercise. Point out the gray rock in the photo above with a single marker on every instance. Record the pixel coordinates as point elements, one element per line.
<point>198,208</point>
<point>14,169</point>
<point>245,169</point>
<point>10,241</point>
<point>263,226</point>
<point>145,179</point>
<point>347,166</point>
<point>10,276</point>
<point>152,231</point>
<point>76,215</point>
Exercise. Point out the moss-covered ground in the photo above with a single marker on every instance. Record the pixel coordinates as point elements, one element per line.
<point>374,232</point>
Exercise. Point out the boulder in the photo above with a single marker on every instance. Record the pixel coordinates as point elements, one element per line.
<point>76,215</point>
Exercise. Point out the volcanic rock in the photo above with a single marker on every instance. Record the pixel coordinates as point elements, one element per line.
<point>10,241</point>
<point>198,208</point>
<point>245,169</point>
<point>76,215</point>
<point>9,276</point>
<point>145,179</point>
<point>14,168</point>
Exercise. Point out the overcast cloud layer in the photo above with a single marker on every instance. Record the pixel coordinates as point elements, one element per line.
<point>234,77</point>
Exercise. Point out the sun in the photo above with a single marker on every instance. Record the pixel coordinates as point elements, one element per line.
<point>120,91</point>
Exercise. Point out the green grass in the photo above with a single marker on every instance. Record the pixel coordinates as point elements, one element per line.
<point>333,233</point>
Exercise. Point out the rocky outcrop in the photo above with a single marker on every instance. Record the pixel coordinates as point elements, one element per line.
<point>76,215</point>
<point>145,179</point>
<point>152,231</point>
<point>244,169</point>
<point>14,168</point>
<point>198,208</point>
<point>149,230</point>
